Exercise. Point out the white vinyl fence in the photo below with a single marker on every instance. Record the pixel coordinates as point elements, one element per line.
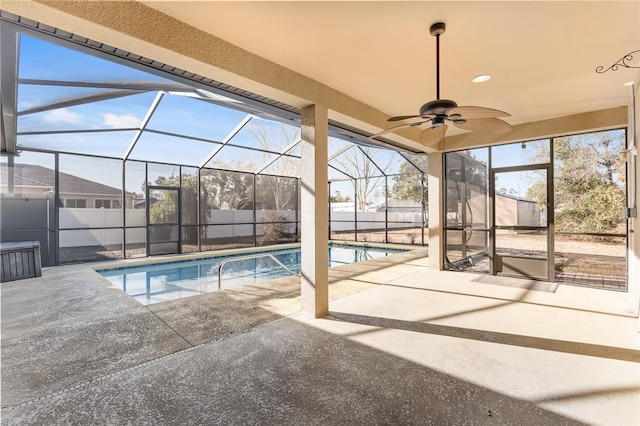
<point>223,223</point>
<point>344,221</point>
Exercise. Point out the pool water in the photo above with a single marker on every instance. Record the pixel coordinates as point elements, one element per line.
<point>155,283</point>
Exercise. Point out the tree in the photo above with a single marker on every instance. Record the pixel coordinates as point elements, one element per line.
<point>164,208</point>
<point>407,186</point>
<point>338,198</point>
<point>358,162</point>
<point>277,191</point>
<point>225,190</point>
<point>589,186</point>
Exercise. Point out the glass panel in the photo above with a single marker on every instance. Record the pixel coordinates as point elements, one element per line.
<point>163,175</point>
<point>521,253</point>
<point>217,237</point>
<point>372,232</point>
<point>522,243</point>
<point>135,178</point>
<point>593,261</point>
<point>406,191</point>
<point>90,245</point>
<point>163,233</point>
<point>169,247</point>
<point>476,194</point>
<point>295,151</point>
<point>136,242</point>
<point>276,232</point>
<point>589,179</point>
<point>466,189</point>
<point>342,231</point>
<point>189,194</point>
<point>266,135</point>
<point>406,196</point>
<point>335,145</point>
<point>277,195</point>
<point>87,182</point>
<point>405,209</point>
<point>419,160</point>
<point>163,206</point>
<point>28,201</point>
<point>32,175</point>
<point>342,196</point>
<point>189,239</point>
<point>42,60</point>
<point>386,160</point>
<point>336,175</point>
<point>589,195</point>
<point>372,217</point>
<point>109,144</point>
<point>521,198</point>
<point>170,149</point>
<point>32,96</point>
<point>369,194</point>
<point>520,154</point>
<point>194,117</point>
<point>284,166</point>
<point>225,197</point>
<point>406,235</point>
<point>240,159</point>
<point>467,251</point>
<point>123,112</point>
<point>360,162</point>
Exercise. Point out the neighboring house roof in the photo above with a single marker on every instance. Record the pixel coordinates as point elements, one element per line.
<point>515,197</point>
<point>34,175</point>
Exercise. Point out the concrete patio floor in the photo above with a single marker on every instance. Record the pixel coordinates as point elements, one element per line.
<point>402,345</point>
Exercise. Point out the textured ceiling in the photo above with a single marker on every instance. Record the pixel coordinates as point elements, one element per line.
<point>542,55</point>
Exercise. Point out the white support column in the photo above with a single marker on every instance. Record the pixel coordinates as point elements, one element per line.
<point>436,201</point>
<point>315,212</point>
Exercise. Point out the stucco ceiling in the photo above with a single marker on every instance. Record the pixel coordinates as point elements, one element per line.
<point>542,55</point>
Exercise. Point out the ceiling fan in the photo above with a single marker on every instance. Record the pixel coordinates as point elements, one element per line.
<point>439,111</point>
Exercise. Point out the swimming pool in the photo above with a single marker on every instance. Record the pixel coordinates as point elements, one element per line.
<point>159,282</point>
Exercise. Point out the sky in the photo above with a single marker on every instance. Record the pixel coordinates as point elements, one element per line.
<point>107,127</point>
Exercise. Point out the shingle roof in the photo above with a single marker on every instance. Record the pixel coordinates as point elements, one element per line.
<point>34,175</point>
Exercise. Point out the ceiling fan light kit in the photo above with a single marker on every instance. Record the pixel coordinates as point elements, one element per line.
<point>439,111</point>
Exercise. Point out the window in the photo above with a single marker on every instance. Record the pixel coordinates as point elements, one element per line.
<point>75,203</point>
<point>107,204</point>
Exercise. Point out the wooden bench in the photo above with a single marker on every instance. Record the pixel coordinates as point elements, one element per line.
<point>20,260</point>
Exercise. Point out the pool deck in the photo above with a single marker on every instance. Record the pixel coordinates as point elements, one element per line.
<point>402,345</point>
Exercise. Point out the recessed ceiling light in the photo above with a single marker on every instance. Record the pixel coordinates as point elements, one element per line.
<point>629,83</point>
<point>480,78</point>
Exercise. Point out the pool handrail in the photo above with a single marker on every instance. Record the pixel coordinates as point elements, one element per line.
<point>255,256</point>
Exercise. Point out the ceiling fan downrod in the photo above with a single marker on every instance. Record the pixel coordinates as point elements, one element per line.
<point>437,107</point>
<point>437,30</point>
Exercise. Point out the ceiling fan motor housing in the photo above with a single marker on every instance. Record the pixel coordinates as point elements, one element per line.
<point>437,107</point>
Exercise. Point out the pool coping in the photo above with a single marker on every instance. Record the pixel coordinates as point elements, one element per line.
<point>171,258</point>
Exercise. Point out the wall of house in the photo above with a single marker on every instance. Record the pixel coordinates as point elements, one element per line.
<point>506,211</point>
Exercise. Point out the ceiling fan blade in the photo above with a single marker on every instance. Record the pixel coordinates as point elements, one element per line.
<point>489,125</point>
<point>391,129</point>
<point>432,135</point>
<point>405,117</point>
<point>474,112</point>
